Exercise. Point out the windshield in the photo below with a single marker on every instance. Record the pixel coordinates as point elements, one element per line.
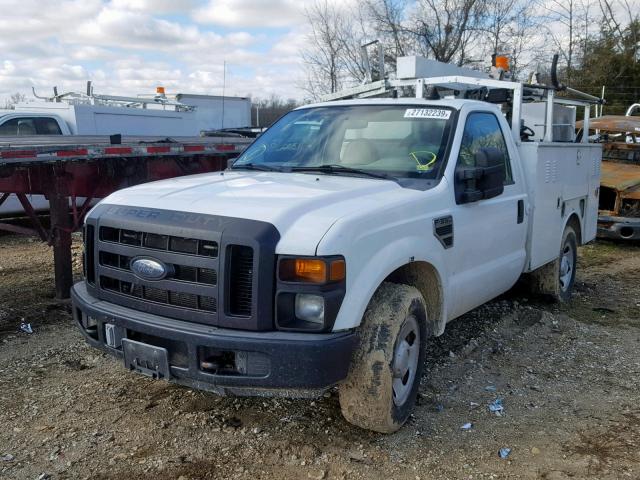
<point>399,141</point>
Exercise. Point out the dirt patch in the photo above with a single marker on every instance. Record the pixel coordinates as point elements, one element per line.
<point>567,376</point>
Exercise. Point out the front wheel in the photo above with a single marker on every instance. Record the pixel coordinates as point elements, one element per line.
<point>384,377</point>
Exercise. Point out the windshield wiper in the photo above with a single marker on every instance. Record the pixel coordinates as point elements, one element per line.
<point>335,168</point>
<point>255,166</point>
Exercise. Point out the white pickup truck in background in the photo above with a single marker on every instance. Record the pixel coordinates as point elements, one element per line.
<point>180,115</point>
<point>341,239</point>
<point>16,123</point>
<point>92,114</point>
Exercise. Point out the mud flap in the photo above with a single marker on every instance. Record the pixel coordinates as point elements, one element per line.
<point>146,359</point>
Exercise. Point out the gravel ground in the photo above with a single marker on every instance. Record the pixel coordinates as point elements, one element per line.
<point>568,377</point>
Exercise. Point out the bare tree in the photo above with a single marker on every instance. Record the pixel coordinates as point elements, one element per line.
<point>618,28</point>
<point>507,27</point>
<point>521,35</point>
<point>439,29</point>
<point>563,27</point>
<point>333,55</point>
<point>323,57</point>
<point>354,32</point>
<point>265,111</point>
<point>14,98</point>
<point>386,18</point>
<point>444,28</point>
<point>497,16</point>
<point>456,31</point>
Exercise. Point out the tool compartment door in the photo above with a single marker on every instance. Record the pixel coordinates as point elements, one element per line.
<point>560,178</point>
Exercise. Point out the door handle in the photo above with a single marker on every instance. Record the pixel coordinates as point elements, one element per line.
<point>520,211</point>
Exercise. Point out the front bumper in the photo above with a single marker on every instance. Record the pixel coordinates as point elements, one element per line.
<point>618,228</point>
<point>220,360</point>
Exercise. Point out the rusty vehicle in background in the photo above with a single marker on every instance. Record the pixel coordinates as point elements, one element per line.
<point>619,207</point>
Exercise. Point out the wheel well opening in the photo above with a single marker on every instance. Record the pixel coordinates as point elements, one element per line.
<point>425,278</point>
<point>574,222</point>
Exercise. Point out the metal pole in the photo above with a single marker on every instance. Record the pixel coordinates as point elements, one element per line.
<point>516,112</point>
<point>585,124</point>
<point>548,128</point>
<point>224,83</point>
<point>61,241</point>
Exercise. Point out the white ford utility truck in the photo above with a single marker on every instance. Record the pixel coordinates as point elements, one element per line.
<point>339,241</point>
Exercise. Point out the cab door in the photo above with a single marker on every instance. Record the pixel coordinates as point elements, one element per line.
<point>489,247</point>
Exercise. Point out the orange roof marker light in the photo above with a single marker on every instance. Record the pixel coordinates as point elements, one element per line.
<point>502,61</point>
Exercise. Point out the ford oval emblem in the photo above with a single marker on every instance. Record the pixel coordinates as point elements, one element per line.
<point>149,268</point>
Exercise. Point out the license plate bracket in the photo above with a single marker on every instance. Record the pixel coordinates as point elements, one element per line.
<point>146,359</point>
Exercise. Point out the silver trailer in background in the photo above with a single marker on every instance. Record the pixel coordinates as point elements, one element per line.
<point>213,112</point>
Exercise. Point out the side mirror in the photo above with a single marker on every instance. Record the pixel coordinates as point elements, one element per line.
<point>484,180</point>
<point>231,161</point>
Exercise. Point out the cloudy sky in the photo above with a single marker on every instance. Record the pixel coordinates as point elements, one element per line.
<point>131,46</point>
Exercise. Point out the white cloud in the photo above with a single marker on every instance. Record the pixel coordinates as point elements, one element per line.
<point>251,13</point>
<point>128,47</point>
<point>31,21</point>
<point>154,6</point>
<point>92,54</point>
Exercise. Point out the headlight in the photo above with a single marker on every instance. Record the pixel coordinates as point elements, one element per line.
<point>312,270</point>
<point>309,292</point>
<point>310,308</point>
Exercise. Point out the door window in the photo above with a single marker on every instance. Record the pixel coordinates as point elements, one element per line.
<point>30,126</point>
<point>47,126</point>
<point>483,130</point>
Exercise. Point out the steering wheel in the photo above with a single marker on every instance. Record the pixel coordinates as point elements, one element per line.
<point>526,132</point>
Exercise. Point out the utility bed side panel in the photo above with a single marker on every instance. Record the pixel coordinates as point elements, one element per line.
<point>562,178</point>
<point>107,120</point>
<point>591,216</point>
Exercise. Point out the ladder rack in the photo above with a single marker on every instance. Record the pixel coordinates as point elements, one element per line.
<point>511,94</point>
<point>90,98</point>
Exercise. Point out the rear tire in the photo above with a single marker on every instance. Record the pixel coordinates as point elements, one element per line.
<point>381,388</point>
<point>558,277</point>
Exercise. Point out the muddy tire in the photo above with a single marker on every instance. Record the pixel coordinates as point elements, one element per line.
<point>381,388</point>
<point>558,277</point>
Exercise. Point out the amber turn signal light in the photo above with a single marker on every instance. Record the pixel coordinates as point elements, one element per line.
<point>311,270</point>
<point>338,271</point>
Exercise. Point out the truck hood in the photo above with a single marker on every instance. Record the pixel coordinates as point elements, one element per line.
<point>301,206</point>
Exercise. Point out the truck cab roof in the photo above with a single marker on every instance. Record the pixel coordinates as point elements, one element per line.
<point>455,103</point>
<point>26,113</point>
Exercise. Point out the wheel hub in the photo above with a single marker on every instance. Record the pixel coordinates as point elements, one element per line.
<point>405,360</point>
<point>566,267</point>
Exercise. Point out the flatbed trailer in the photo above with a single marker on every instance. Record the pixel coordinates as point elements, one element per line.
<point>71,172</point>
